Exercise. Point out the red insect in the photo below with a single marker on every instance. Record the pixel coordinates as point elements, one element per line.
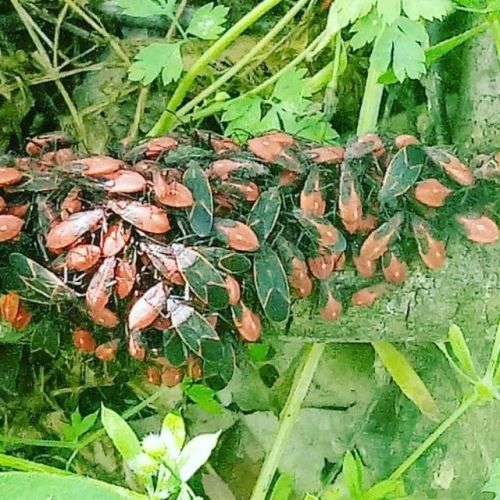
<point>125,274</point>
<point>125,182</point>
<point>10,227</point>
<point>9,176</point>
<point>367,296</point>
<point>322,266</point>
<point>172,194</point>
<point>141,215</point>
<point>395,270</point>
<point>115,240</point>
<point>332,310</point>
<point>248,324</point>
<point>84,340</point>
<point>12,311</point>
<point>82,257</point>
<point>233,289</point>
<point>432,193</point>
<point>98,166</point>
<point>238,236</point>
<point>107,351</point>
<point>480,229</point>
<point>100,287</point>
<point>147,309</point>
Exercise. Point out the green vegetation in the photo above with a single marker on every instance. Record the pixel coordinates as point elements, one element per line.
<point>394,401</point>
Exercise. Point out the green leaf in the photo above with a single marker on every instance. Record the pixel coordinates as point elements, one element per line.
<point>78,425</point>
<point>406,378</point>
<point>195,454</point>
<point>258,352</point>
<point>205,397</point>
<point>39,280</point>
<point>146,8</point>
<point>291,88</point>
<point>344,12</point>
<point>389,10</point>
<point>156,59</point>
<point>283,488</point>
<point>461,351</point>
<point>402,42</point>
<point>45,338</point>
<point>314,128</point>
<point>265,213</point>
<point>365,30</point>
<point>427,9</point>
<point>173,432</point>
<point>352,471</point>
<point>493,483</point>
<point>201,214</point>
<point>434,53</point>
<point>32,485</point>
<point>121,434</point>
<point>402,173</point>
<point>207,21</point>
<point>204,280</point>
<point>243,116</point>
<point>389,488</point>
<point>271,285</point>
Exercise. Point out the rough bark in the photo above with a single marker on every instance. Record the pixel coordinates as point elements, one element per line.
<point>466,291</point>
<point>477,124</point>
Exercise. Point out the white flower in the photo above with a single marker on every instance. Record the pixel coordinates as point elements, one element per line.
<point>143,465</point>
<point>154,445</point>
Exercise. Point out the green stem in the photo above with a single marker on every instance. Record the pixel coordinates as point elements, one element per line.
<point>99,29</point>
<point>432,438</point>
<point>29,466</point>
<point>284,21</point>
<point>298,391</point>
<point>494,20</point>
<point>139,111</point>
<point>495,353</point>
<point>45,60</point>
<point>167,117</point>
<point>46,443</point>
<point>370,106</point>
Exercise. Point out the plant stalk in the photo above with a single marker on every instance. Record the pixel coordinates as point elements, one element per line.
<point>29,466</point>
<point>167,117</point>
<point>288,416</point>
<point>283,22</point>
<point>433,437</point>
<point>370,106</point>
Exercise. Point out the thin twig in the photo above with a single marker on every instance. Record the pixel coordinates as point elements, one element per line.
<point>57,33</point>
<point>175,21</point>
<point>45,60</point>
<point>100,29</point>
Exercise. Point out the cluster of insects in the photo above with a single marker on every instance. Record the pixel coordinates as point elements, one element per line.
<point>185,239</point>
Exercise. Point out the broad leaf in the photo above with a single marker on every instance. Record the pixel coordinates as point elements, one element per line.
<point>146,8</point>
<point>32,485</point>
<point>271,285</point>
<point>352,471</point>
<point>205,397</point>
<point>207,22</point>
<point>195,454</point>
<point>121,434</point>
<point>264,213</point>
<point>402,173</point>
<point>406,378</point>
<point>156,59</point>
<point>201,214</point>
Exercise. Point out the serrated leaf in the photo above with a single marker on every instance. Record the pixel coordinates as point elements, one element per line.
<point>434,53</point>
<point>427,9</point>
<point>406,378</point>
<point>402,173</point>
<point>389,10</point>
<point>314,128</point>
<point>271,285</point>
<point>402,42</point>
<point>461,351</point>
<point>365,30</point>
<point>200,215</point>
<point>121,434</point>
<point>265,213</point>
<point>156,59</point>
<point>146,8</point>
<point>344,12</point>
<point>195,454</point>
<point>207,22</point>
<point>243,116</point>
<point>291,87</point>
